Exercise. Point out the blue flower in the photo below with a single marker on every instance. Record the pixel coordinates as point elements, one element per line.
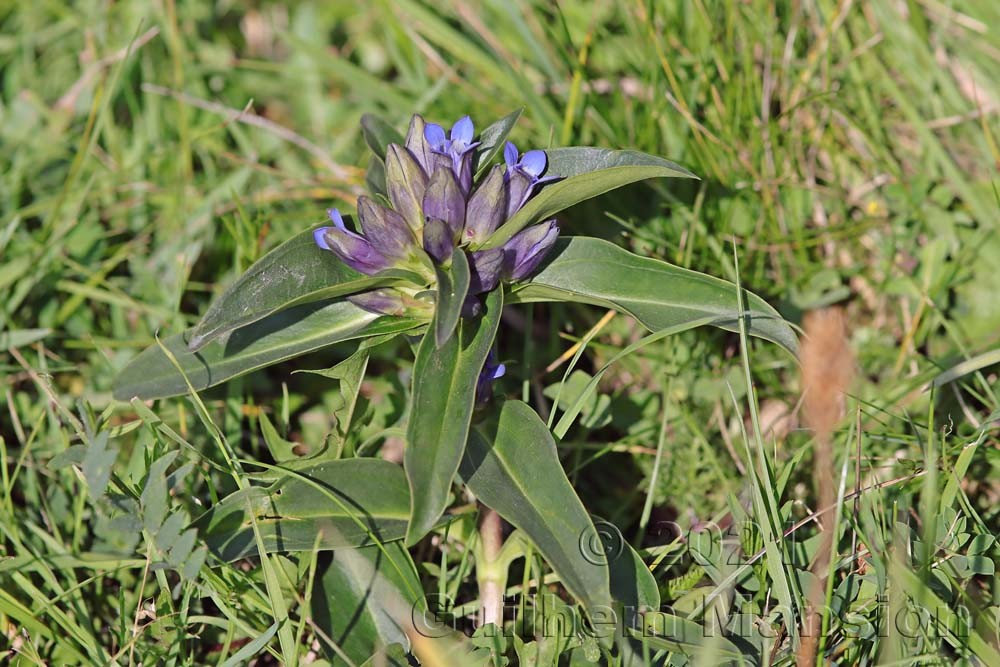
<point>457,145</point>
<point>491,371</point>
<point>523,175</point>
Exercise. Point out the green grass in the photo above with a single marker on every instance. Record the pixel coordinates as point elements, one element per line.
<point>850,157</point>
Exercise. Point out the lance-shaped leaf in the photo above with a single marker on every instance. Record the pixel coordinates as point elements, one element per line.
<point>295,272</point>
<point>364,600</point>
<point>491,141</point>
<point>342,503</point>
<point>444,394</point>
<point>587,173</point>
<point>282,336</point>
<point>658,294</point>
<point>516,471</point>
<point>452,287</point>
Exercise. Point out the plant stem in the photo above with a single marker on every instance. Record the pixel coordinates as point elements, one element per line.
<point>491,579</point>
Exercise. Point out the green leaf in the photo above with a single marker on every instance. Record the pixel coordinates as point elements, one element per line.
<point>296,272</point>
<point>453,285</point>
<point>491,141</point>
<point>154,497</point>
<point>659,295</point>
<point>252,648</point>
<point>363,599</point>
<point>287,334</point>
<point>280,449</point>
<point>22,337</point>
<point>342,503</point>
<point>667,632</point>
<point>351,373</point>
<point>378,134</point>
<point>394,655</point>
<point>587,172</point>
<point>516,471</point>
<point>632,583</point>
<point>444,394</point>
<point>98,463</point>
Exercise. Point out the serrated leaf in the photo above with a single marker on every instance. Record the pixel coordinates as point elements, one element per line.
<point>491,141</point>
<point>282,336</point>
<point>295,272</point>
<point>452,288</point>
<point>363,600</point>
<point>444,394</point>
<point>515,470</point>
<point>658,294</point>
<point>341,503</point>
<point>587,172</point>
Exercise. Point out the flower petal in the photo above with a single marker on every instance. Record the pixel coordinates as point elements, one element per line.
<point>444,200</point>
<point>462,131</point>
<point>490,372</point>
<point>533,162</point>
<point>510,154</point>
<point>336,218</point>
<point>435,136</point>
<point>320,236</point>
<point>526,250</point>
<point>487,207</point>
<point>385,229</point>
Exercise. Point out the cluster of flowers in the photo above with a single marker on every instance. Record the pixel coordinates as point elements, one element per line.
<point>435,212</point>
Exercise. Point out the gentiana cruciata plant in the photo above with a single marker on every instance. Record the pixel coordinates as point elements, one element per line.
<point>435,210</point>
<point>456,227</point>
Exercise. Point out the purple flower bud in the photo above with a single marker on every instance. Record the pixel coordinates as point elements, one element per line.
<point>526,250</point>
<point>484,384</point>
<point>385,229</point>
<point>484,269</point>
<point>380,301</point>
<point>438,240</point>
<point>418,145</point>
<point>406,182</point>
<point>352,249</point>
<point>444,201</point>
<point>487,207</point>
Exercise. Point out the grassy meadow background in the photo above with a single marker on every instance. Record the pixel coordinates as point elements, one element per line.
<point>151,151</point>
